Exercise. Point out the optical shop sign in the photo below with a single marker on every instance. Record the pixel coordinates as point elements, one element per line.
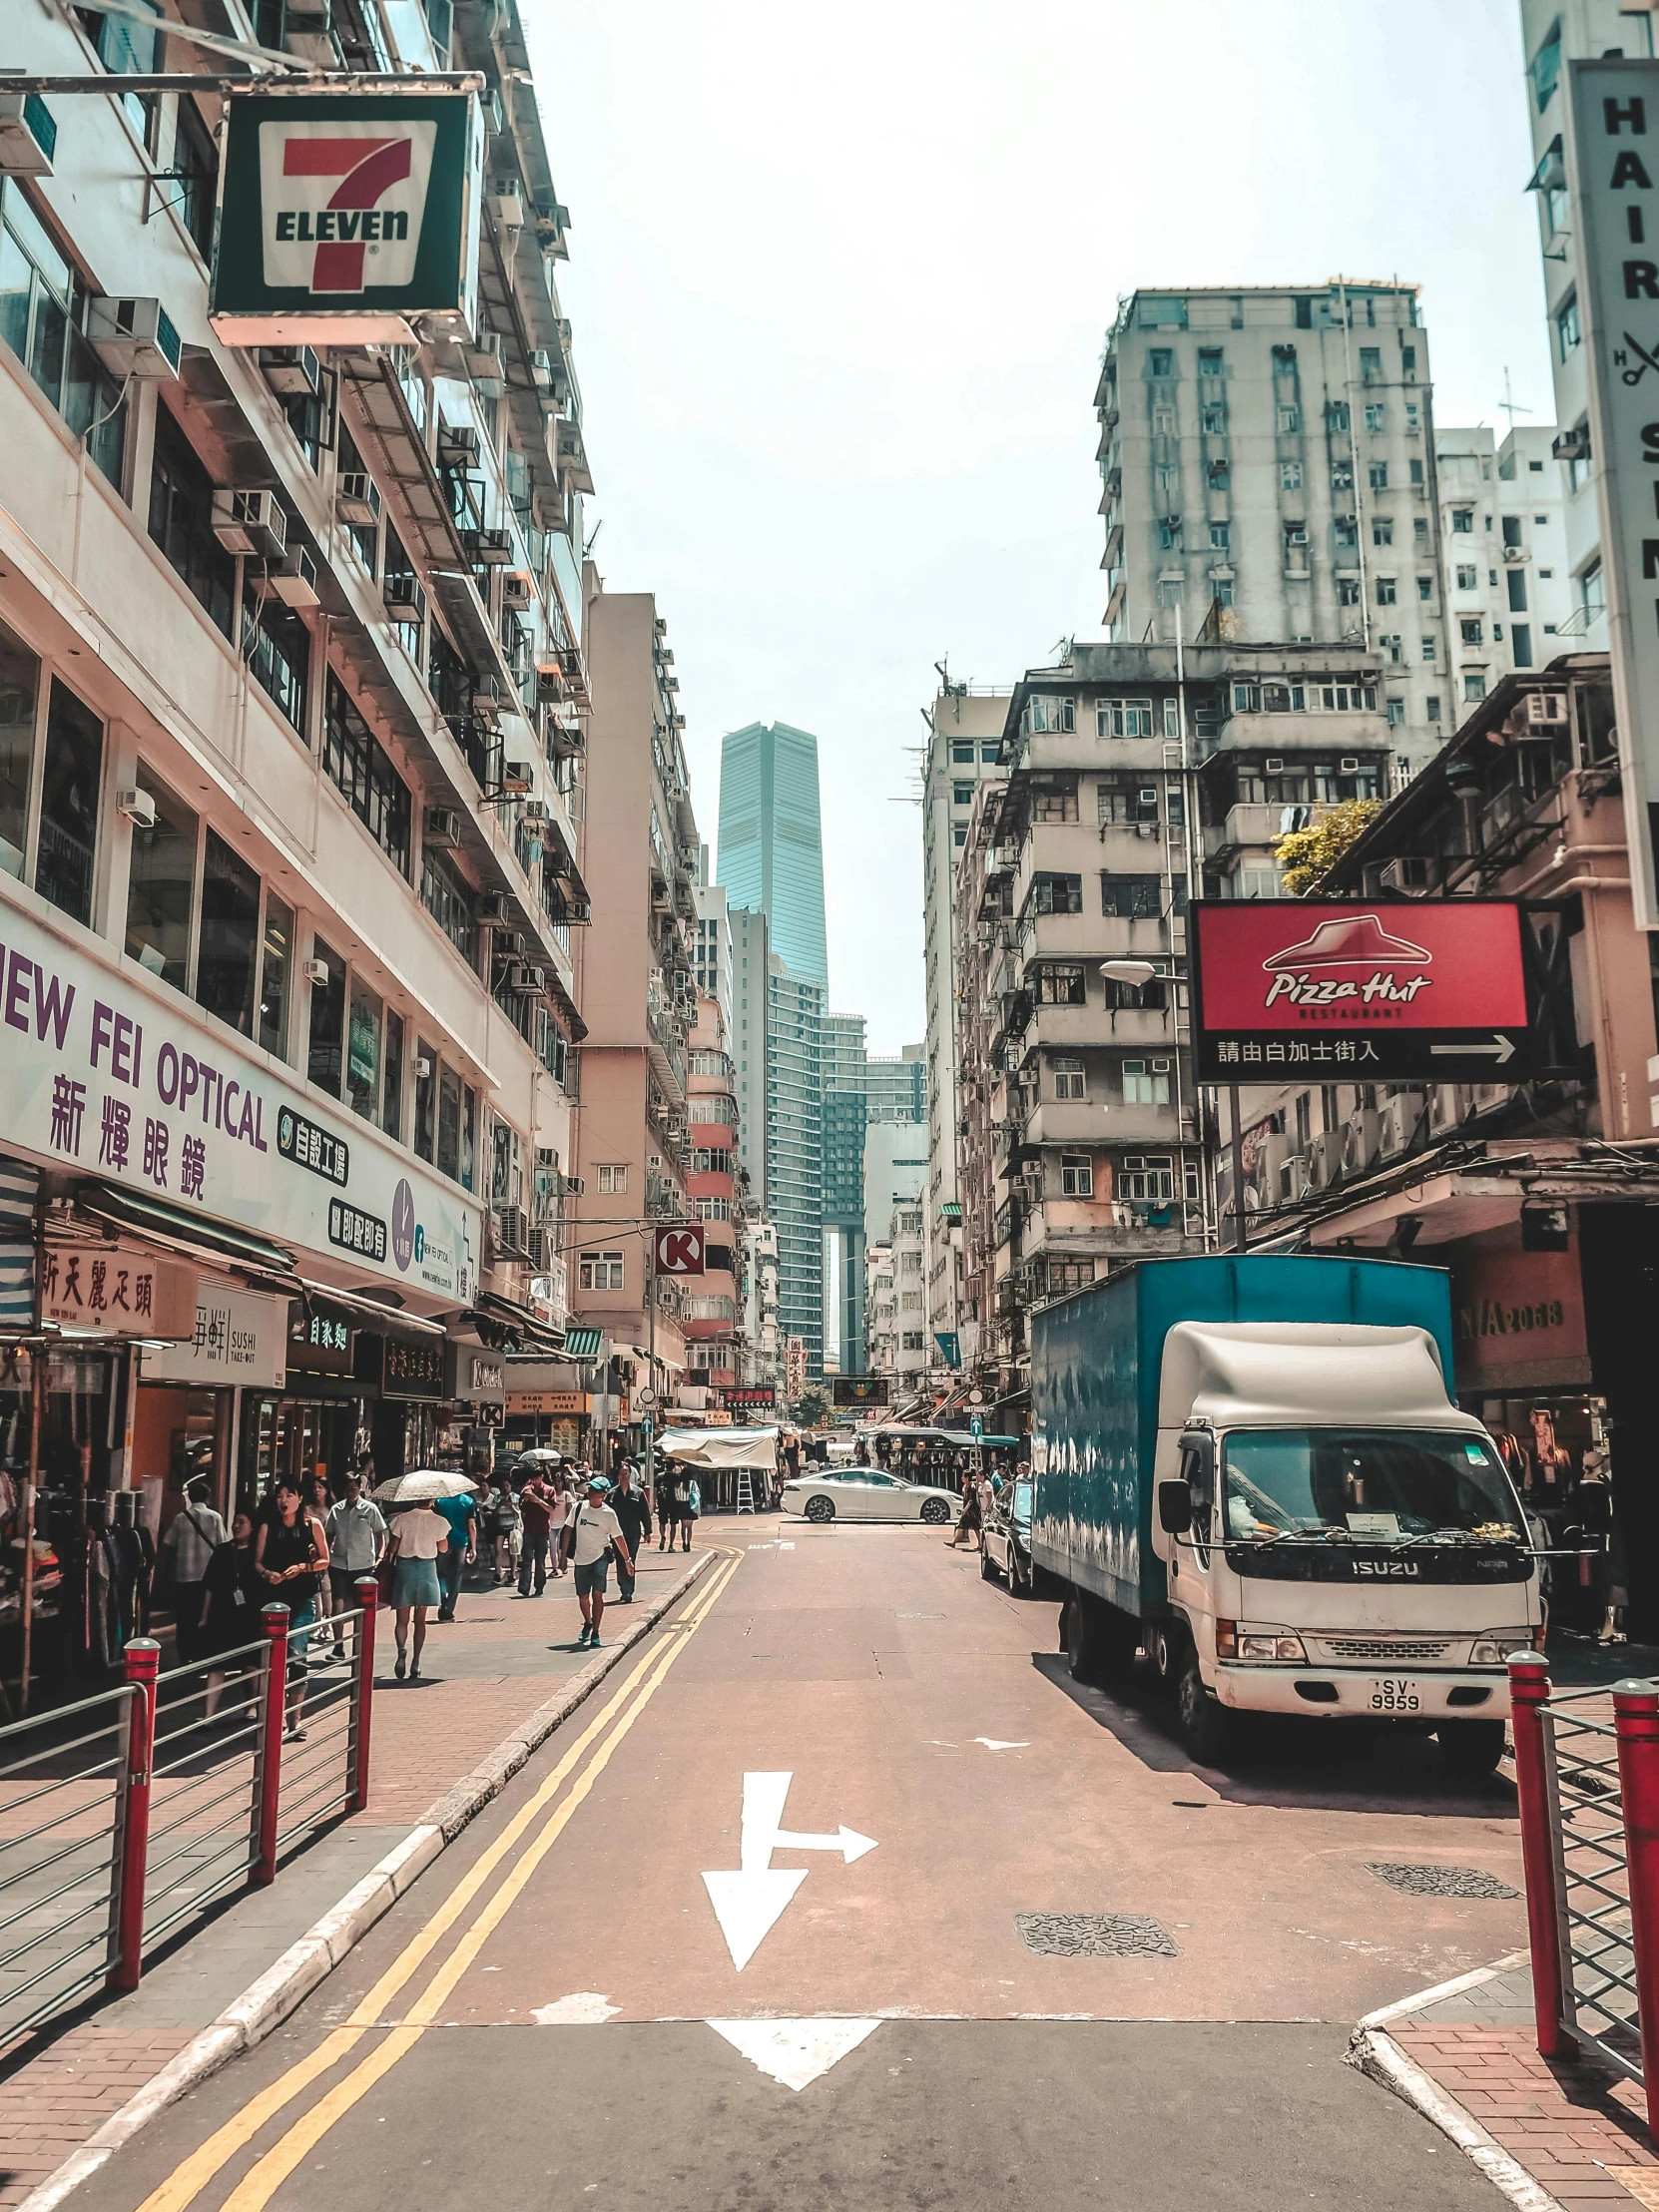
<point>100,1075</point>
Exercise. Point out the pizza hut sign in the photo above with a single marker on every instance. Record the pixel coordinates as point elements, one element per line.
<point>1370,993</point>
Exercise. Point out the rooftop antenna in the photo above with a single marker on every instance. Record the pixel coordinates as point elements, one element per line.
<point>1507,405</point>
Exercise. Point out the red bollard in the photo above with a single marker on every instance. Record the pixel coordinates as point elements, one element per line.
<point>273,1619</point>
<point>1528,1695</point>
<point>368,1598</point>
<point>1636,1720</point>
<point>133,1837</point>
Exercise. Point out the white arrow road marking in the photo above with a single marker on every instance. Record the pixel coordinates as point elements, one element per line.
<point>994,1743</point>
<point>794,2051</point>
<point>749,1902</point>
<point>1500,1049</point>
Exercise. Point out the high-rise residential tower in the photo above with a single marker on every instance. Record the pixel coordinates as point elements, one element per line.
<point>795,1154</point>
<point>770,840</point>
<point>845,1066</point>
<point>748,1043</point>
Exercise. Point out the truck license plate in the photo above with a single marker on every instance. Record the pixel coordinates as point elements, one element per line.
<point>1390,1696</point>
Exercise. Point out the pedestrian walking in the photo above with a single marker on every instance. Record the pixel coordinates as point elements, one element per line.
<point>507,1534</point>
<point>633,1510</point>
<point>462,1512</point>
<point>564,1513</point>
<point>968,1521</point>
<point>691,1509</point>
<point>357,1533</point>
<point>317,1505</point>
<point>985,1492</point>
<point>292,1555</point>
<point>536,1501</point>
<point>596,1533</point>
<point>230,1603</point>
<point>420,1537</point>
<point>195,1535</point>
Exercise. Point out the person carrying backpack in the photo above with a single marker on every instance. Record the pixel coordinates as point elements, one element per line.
<point>595,1533</point>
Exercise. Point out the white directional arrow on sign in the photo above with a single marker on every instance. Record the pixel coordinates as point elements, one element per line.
<point>749,1902</point>
<point>1500,1049</point>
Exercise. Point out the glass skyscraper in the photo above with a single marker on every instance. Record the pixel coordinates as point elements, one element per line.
<point>795,1154</point>
<point>771,844</point>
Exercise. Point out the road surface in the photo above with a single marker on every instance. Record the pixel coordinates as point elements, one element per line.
<point>841,1894</point>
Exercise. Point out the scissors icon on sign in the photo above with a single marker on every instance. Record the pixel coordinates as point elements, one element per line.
<point>1649,360</point>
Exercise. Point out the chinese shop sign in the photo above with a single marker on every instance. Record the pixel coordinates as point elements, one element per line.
<point>114,1289</point>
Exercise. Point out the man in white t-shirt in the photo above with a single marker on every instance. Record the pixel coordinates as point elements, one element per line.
<point>595,1532</point>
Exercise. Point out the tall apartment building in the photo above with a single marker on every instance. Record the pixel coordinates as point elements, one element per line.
<point>1267,460</point>
<point>260,688</point>
<point>770,840</point>
<point>1505,533</point>
<point>1555,32</point>
<point>763,1347</point>
<point>712,1308</point>
<point>897,1302</point>
<point>896,1084</point>
<point>712,943</point>
<point>794,1155</point>
<point>965,736</point>
<point>844,1065</point>
<point>636,1148</point>
<point>747,1033</point>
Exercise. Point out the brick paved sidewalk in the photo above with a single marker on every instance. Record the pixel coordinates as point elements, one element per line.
<point>1578,2131</point>
<point>483,1675</point>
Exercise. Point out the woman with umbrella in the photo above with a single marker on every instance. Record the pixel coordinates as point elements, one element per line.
<point>418,1534</point>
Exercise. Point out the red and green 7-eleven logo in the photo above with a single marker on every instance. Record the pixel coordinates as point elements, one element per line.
<point>342,202</point>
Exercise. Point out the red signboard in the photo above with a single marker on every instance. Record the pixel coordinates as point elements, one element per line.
<point>679,1247</point>
<point>1360,992</point>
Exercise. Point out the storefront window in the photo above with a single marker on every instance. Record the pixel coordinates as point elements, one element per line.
<point>391,1118</point>
<point>426,1101</point>
<point>69,804</point>
<point>449,1123</point>
<point>273,976</point>
<point>160,885</point>
<point>362,1056</point>
<point>322,1063</point>
<point>19,692</point>
<point>227,954</point>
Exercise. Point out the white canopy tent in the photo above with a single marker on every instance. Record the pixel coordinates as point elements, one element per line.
<point>717,1449</point>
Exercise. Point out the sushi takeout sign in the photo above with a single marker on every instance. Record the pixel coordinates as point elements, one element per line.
<point>1287,989</point>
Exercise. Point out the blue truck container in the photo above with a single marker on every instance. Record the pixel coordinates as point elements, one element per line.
<point>1096,1364</point>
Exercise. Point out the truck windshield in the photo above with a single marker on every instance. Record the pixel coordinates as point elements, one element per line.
<point>1374,1485</point>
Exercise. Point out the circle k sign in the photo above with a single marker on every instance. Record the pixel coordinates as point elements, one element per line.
<point>679,1249</point>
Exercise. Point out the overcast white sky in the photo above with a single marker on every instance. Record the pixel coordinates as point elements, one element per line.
<point>839,282</point>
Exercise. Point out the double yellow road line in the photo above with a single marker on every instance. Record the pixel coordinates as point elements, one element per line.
<point>262,2181</point>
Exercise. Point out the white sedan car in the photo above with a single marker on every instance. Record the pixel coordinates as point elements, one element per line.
<point>866,1493</point>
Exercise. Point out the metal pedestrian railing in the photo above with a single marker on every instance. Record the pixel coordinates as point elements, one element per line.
<point>127,1815</point>
<point>1587,1781</point>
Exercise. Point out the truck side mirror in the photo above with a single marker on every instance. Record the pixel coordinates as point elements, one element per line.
<point>1175,1507</point>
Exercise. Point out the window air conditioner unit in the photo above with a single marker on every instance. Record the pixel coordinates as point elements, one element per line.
<point>576,1186</point>
<point>509,943</point>
<point>488,548</point>
<point>291,372</point>
<point>1348,764</point>
<point>294,584</point>
<point>507,203</point>
<point>497,911</point>
<point>251,522</point>
<point>443,827</point>
<point>1409,872</point>
<point>358,498</point>
<point>1544,709</point>
<point>541,369</point>
<point>457,445</point>
<point>517,589</point>
<point>486,357</point>
<point>512,1232</point>
<point>134,338</point>
<point>1272,767</point>
<point>316,973</point>
<point>550,682</point>
<point>516,776</point>
<point>28,135</point>
<point>485,705</point>
<point>404,597</point>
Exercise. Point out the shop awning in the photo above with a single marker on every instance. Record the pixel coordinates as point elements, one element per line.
<point>360,1309</point>
<point>196,1235</point>
<point>514,1327</point>
<point>584,1343</point>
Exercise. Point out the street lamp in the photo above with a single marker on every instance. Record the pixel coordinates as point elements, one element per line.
<point>1137,972</point>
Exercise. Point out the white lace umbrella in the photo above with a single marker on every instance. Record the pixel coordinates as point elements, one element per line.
<point>422,1484</point>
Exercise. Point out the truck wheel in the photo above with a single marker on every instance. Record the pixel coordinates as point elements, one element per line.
<point>1101,1641</point>
<point>1471,1748</point>
<point>1204,1723</point>
<point>1165,1645</point>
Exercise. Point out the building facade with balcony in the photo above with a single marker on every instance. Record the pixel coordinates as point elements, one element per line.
<point>636,1147</point>
<point>1267,460</point>
<point>795,1154</point>
<point>295,711</point>
<point>1503,530</point>
<point>712,1309</point>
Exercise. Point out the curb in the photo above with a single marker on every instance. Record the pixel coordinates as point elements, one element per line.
<point>1379,2057</point>
<point>284,1986</point>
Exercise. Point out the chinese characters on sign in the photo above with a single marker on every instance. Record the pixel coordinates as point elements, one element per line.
<point>117,1291</point>
<point>313,1147</point>
<point>401,1369</point>
<point>240,1337</point>
<point>354,1231</point>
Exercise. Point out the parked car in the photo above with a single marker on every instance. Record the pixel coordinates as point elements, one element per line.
<point>1007,1547</point>
<point>866,1493</point>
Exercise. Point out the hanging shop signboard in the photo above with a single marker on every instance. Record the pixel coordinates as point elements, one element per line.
<point>240,1338</point>
<point>346,218</point>
<point>401,1367</point>
<point>1612,171</point>
<point>115,1289</point>
<point>547,1401</point>
<point>1331,993</point>
<point>860,1390</point>
<point>109,1074</point>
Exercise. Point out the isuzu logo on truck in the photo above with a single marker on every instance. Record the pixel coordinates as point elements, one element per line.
<point>1388,1570</point>
<point>344,202</point>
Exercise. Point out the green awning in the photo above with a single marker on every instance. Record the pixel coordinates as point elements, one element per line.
<point>583,1343</point>
<point>194,1232</point>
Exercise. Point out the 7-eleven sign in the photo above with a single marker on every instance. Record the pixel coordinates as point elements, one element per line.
<point>342,202</point>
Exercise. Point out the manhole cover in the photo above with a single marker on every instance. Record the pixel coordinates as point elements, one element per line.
<point>1095,1936</point>
<point>1440,1882</point>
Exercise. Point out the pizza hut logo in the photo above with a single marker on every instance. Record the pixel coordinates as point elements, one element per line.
<point>1348,943</point>
<point>342,202</point>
